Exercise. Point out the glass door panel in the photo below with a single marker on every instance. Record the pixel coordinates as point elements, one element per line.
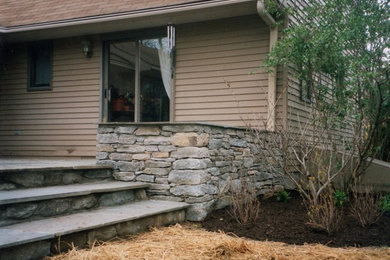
<point>121,81</point>
<point>154,100</point>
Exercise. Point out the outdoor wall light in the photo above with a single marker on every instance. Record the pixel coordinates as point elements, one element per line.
<point>87,48</point>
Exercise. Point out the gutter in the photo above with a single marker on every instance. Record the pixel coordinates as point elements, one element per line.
<point>273,38</point>
<point>123,15</point>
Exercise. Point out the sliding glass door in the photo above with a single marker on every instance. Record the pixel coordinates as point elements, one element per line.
<point>139,80</point>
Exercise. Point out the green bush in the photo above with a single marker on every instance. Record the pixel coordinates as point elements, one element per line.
<point>283,196</point>
<point>384,204</point>
<point>340,198</point>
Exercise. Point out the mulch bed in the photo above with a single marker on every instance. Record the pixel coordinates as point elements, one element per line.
<point>285,222</point>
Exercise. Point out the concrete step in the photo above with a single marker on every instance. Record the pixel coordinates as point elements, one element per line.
<point>36,203</point>
<point>64,191</point>
<point>86,227</point>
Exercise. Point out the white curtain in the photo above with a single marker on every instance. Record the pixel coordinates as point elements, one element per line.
<point>166,70</point>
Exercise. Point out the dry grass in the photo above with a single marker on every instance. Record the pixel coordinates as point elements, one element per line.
<point>191,242</point>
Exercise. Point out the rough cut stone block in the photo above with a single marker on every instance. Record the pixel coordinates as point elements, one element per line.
<point>98,174</point>
<point>131,148</point>
<point>191,164</point>
<point>166,148</point>
<point>127,139</point>
<point>188,177</point>
<point>120,157</point>
<point>129,166</point>
<point>116,198</point>
<point>21,211</point>
<point>151,148</point>
<point>167,198</point>
<point>101,234</point>
<point>157,164</point>
<point>159,187</point>
<point>192,200</point>
<point>27,180</point>
<point>161,180</point>
<point>199,211</point>
<point>54,207</point>
<point>147,131</point>
<point>124,176</point>
<point>194,190</point>
<point>70,177</point>
<point>191,152</point>
<point>190,139</point>
<point>214,171</point>
<point>105,130</point>
<point>158,140</point>
<point>36,250</point>
<point>262,176</point>
<point>7,186</point>
<point>125,129</point>
<point>182,128</point>
<point>238,142</point>
<point>160,154</point>
<point>85,202</point>
<point>145,178</point>
<point>141,156</point>
<point>101,156</point>
<point>215,144</point>
<point>156,171</point>
<point>223,202</point>
<point>105,148</point>
<point>107,138</point>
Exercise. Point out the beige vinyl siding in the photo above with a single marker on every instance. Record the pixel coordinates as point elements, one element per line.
<point>58,122</point>
<point>212,54</point>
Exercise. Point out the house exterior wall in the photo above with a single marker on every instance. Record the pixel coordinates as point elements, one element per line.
<point>63,121</point>
<point>212,54</point>
<point>58,122</point>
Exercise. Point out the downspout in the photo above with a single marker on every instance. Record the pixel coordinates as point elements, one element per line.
<point>273,37</point>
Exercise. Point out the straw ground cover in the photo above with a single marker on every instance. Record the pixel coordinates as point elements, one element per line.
<point>192,242</point>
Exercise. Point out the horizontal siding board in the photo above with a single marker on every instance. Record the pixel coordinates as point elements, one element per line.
<point>218,67</point>
<point>219,72</point>
<point>59,122</point>
<point>225,104</point>
<point>62,127</point>
<point>220,92</point>
<point>221,61</point>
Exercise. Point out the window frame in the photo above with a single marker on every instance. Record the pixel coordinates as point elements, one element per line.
<point>31,68</point>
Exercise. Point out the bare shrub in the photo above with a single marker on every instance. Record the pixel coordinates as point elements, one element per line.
<point>364,205</point>
<point>323,214</point>
<point>245,206</point>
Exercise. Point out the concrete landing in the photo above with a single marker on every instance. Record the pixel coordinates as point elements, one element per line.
<point>45,193</point>
<point>33,231</point>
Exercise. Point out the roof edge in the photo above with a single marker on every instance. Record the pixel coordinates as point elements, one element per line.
<point>122,15</point>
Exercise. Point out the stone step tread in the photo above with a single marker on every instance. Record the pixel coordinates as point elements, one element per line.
<point>33,231</point>
<point>63,191</point>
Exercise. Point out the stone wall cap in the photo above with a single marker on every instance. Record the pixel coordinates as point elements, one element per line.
<point>111,124</point>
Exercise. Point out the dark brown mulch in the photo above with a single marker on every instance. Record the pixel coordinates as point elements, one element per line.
<point>285,222</point>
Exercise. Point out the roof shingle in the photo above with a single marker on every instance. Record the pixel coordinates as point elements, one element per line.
<point>26,12</point>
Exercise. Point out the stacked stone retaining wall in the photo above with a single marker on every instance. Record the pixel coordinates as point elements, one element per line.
<point>195,163</point>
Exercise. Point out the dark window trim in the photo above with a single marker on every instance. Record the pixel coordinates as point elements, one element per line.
<point>305,91</point>
<point>30,67</point>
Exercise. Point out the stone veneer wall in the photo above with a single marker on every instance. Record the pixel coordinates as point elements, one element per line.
<point>194,163</point>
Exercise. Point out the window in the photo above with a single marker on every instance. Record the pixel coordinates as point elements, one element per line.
<point>140,79</point>
<point>306,82</point>
<point>39,69</point>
